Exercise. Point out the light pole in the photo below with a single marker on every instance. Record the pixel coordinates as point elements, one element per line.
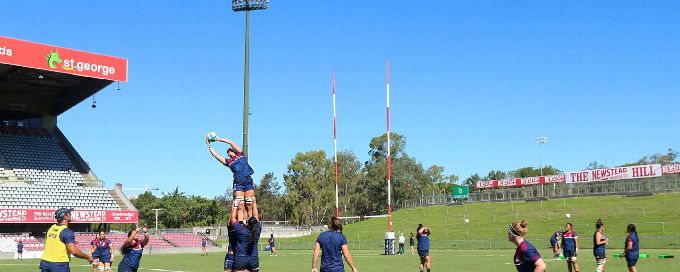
<point>157,220</point>
<point>247,6</point>
<point>540,141</point>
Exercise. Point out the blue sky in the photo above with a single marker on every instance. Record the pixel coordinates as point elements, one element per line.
<point>472,82</point>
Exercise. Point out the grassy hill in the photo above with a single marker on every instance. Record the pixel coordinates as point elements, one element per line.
<point>657,219</point>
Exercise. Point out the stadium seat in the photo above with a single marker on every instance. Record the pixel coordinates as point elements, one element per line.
<point>45,174</point>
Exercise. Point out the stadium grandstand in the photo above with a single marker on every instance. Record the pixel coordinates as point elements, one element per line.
<point>40,171</point>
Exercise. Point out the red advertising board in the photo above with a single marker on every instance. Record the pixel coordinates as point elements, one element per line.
<point>62,60</point>
<point>559,178</point>
<point>485,184</point>
<point>529,181</point>
<point>77,216</point>
<point>506,183</point>
<point>628,172</point>
<point>670,169</point>
<point>618,173</point>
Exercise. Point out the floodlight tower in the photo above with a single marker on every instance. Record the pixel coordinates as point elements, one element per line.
<point>540,141</point>
<point>247,6</point>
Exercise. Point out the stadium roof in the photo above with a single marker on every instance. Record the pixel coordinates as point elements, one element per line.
<point>37,79</point>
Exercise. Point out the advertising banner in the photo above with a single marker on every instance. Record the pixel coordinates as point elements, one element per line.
<point>670,169</point>
<point>77,216</point>
<point>627,172</point>
<point>559,178</point>
<point>507,183</point>
<point>460,191</point>
<point>485,184</point>
<point>61,60</point>
<point>529,181</point>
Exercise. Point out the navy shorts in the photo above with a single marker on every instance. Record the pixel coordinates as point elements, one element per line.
<point>553,243</point>
<point>103,258</point>
<point>525,267</point>
<point>46,266</point>
<point>599,254</point>
<point>423,253</point>
<point>247,262</point>
<point>244,185</point>
<point>228,261</point>
<point>631,261</point>
<point>126,268</point>
<point>20,251</point>
<point>341,269</point>
<point>569,253</point>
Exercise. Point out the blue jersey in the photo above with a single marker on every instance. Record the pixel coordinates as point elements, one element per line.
<point>231,233</point>
<point>20,247</point>
<point>526,256</point>
<point>569,240</point>
<point>635,250</point>
<point>239,167</point>
<point>102,247</point>
<point>245,247</point>
<point>599,250</point>
<point>423,242</point>
<point>553,239</point>
<point>133,254</point>
<point>331,243</point>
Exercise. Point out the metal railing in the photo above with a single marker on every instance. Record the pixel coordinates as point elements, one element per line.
<point>646,242</point>
<point>669,183</point>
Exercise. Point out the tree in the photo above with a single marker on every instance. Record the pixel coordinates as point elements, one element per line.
<point>310,188</point>
<point>496,175</point>
<point>669,157</point>
<point>350,175</point>
<point>145,203</point>
<point>438,181</point>
<point>408,176</point>
<point>472,180</point>
<point>269,200</point>
<point>529,171</point>
<point>595,165</point>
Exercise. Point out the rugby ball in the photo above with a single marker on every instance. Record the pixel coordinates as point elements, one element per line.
<point>212,136</point>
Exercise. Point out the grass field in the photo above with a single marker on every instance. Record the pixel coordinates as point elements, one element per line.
<point>656,218</point>
<point>300,260</point>
<point>488,249</point>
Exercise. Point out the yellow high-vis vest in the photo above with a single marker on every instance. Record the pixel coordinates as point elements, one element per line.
<point>55,250</point>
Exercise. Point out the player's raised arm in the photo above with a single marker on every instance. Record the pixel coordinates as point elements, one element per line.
<point>146,236</point>
<point>132,235</point>
<point>231,143</point>
<point>217,156</point>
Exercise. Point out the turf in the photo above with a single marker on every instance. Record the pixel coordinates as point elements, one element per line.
<point>300,260</point>
<point>656,218</point>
